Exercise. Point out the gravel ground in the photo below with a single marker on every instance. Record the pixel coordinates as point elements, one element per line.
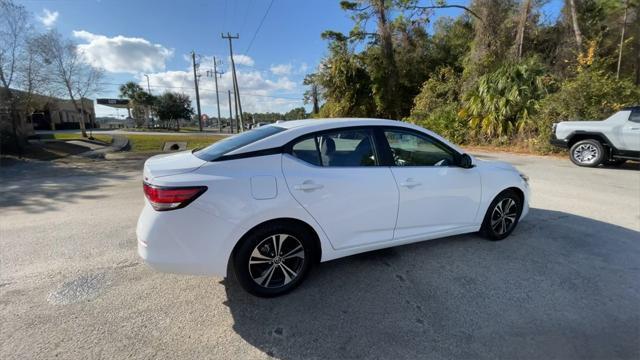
<point>565,285</point>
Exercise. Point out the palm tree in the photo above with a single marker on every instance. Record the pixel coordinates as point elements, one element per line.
<point>131,91</point>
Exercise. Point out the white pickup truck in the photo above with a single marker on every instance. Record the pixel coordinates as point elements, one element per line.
<point>611,141</point>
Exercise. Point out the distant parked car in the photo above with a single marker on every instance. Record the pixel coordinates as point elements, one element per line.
<point>272,201</point>
<point>611,142</point>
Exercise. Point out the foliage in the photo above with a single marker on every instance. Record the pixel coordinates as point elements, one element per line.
<point>346,84</point>
<point>436,107</point>
<point>501,103</point>
<point>173,106</point>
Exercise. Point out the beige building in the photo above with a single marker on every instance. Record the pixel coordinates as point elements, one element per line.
<point>48,113</point>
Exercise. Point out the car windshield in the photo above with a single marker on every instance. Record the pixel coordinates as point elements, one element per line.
<point>216,150</point>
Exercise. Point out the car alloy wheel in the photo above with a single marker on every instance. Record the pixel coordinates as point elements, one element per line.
<point>585,153</point>
<point>276,261</point>
<point>504,215</point>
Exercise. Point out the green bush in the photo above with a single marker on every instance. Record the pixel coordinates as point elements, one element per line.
<point>436,107</point>
<point>500,104</point>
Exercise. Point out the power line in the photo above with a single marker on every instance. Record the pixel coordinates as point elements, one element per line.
<point>211,90</point>
<point>258,29</point>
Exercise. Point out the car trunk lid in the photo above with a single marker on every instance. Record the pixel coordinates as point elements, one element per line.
<point>171,164</point>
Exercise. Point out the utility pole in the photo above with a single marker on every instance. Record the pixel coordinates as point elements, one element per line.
<point>624,25</point>
<point>195,80</point>
<point>230,113</point>
<point>148,108</point>
<point>236,91</point>
<point>215,77</point>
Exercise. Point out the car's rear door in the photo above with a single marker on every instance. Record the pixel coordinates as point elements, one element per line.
<point>336,176</point>
<point>436,195</point>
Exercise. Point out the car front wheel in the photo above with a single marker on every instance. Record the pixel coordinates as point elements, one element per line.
<point>502,216</point>
<point>273,261</point>
<point>589,153</point>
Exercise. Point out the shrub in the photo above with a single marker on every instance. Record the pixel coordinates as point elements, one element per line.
<point>500,104</point>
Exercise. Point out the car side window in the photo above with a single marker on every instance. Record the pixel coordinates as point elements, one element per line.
<point>635,116</point>
<point>410,149</point>
<point>307,150</point>
<point>339,148</point>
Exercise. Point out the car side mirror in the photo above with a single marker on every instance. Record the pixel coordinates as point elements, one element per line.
<point>465,161</point>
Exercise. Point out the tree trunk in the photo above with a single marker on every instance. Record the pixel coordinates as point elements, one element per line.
<point>15,122</point>
<point>522,24</point>
<point>389,94</point>
<point>574,22</point>
<point>624,25</point>
<point>83,129</point>
<point>314,97</point>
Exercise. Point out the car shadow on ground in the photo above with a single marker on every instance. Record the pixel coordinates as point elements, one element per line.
<point>562,286</point>
<point>40,186</point>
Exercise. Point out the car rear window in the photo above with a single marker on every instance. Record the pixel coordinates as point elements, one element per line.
<point>217,149</point>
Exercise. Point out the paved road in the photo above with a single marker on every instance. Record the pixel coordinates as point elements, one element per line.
<point>564,285</point>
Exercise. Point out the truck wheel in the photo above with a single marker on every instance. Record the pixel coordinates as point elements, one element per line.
<point>589,153</point>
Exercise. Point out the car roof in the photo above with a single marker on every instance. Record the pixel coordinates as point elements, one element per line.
<point>297,128</point>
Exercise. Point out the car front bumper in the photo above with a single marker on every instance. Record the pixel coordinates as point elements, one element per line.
<point>561,143</point>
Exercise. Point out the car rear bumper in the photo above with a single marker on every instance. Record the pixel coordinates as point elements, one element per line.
<point>168,242</point>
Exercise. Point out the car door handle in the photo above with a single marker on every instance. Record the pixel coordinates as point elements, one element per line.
<point>635,128</point>
<point>308,186</point>
<point>410,183</point>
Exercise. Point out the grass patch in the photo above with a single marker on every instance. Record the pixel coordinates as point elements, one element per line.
<point>107,139</point>
<point>156,142</point>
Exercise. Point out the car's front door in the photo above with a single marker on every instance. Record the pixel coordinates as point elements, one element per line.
<point>436,195</point>
<point>336,177</point>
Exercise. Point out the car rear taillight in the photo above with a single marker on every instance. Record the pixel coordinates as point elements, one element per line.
<point>171,198</point>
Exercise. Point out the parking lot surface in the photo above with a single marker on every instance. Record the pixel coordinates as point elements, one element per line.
<point>565,285</point>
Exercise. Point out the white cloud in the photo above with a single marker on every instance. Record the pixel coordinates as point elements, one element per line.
<point>281,69</point>
<point>48,18</point>
<point>303,68</point>
<point>121,54</point>
<point>243,60</point>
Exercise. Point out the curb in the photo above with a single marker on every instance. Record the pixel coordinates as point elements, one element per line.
<point>119,143</point>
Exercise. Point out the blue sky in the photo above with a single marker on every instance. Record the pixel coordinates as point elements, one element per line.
<point>136,37</point>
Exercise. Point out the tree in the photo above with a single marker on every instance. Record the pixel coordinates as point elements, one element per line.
<point>129,91</point>
<point>522,24</point>
<point>70,73</point>
<point>173,106</point>
<point>14,31</point>
<point>312,95</point>
<point>139,100</point>
<point>574,22</point>
<point>296,114</point>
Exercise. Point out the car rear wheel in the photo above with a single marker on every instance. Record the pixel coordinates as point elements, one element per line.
<point>274,260</point>
<point>502,216</point>
<point>589,153</point>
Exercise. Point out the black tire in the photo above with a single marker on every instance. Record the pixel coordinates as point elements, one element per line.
<point>496,232</point>
<point>587,153</point>
<point>269,269</point>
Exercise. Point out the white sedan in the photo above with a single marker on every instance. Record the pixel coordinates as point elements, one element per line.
<point>271,202</point>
